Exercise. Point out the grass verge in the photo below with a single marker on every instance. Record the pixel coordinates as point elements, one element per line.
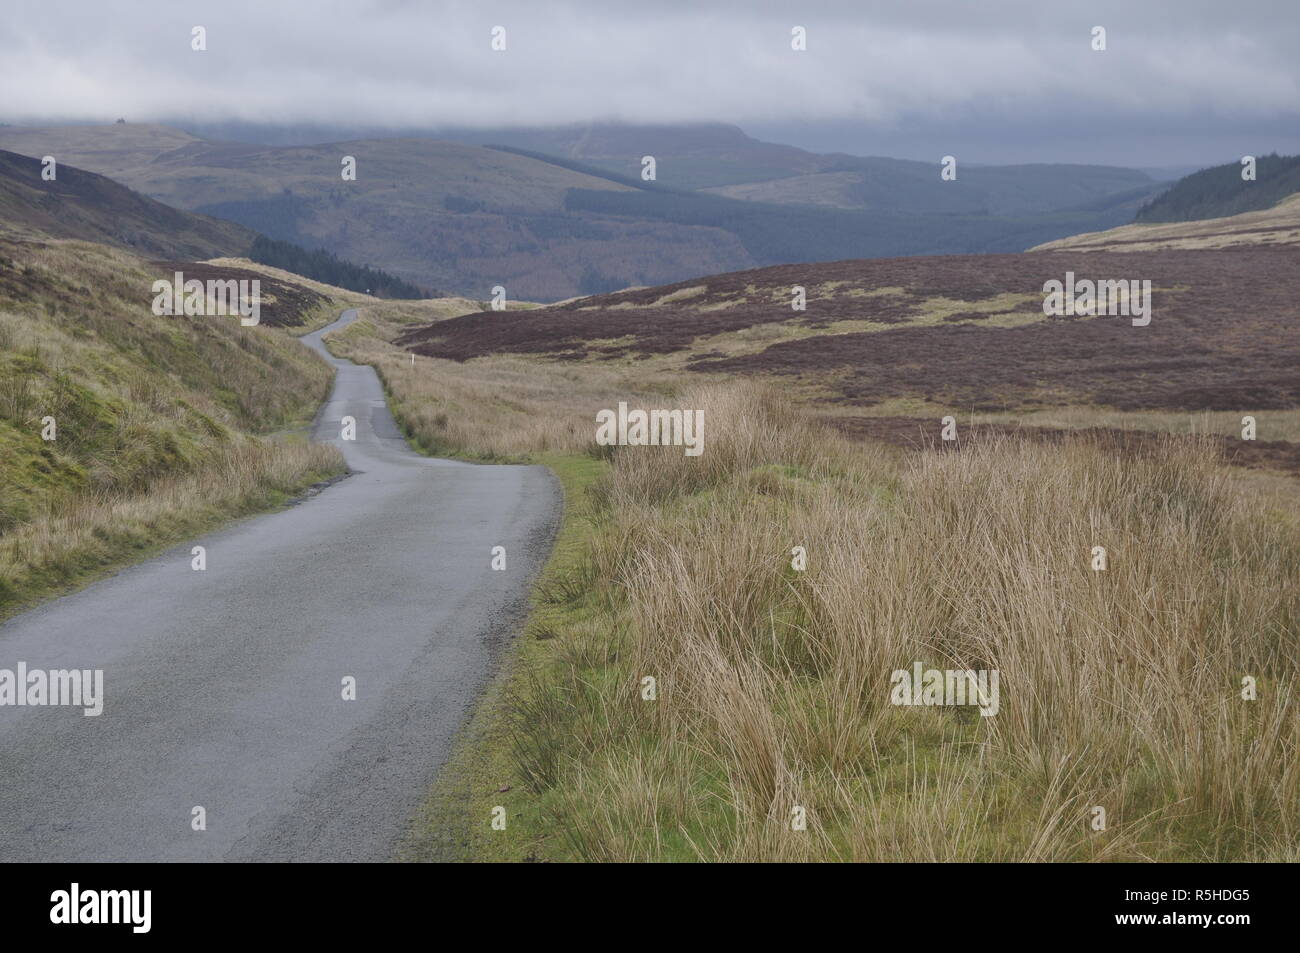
<point>90,536</point>
<point>454,823</point>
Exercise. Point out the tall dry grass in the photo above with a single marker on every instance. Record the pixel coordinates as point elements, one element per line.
<point>1119,689</point>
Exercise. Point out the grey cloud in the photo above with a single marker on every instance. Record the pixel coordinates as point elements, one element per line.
<point>877,66</point>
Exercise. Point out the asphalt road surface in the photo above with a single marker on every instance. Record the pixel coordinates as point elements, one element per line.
<point>223,689</point>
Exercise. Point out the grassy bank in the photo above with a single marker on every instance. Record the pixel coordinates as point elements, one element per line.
<point>93,533</point>
<point>122,431</point>
<point>1120,689</point>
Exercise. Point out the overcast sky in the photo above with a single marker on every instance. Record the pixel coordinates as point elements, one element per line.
<point>1182,82</point>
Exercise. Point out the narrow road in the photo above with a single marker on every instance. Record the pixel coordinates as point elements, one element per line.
<point>223,689</point>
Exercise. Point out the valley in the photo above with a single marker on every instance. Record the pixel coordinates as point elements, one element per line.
<point>820,474</point>
<point>576,219</point>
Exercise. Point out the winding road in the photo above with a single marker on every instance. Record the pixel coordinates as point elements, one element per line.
<point>223,689</point>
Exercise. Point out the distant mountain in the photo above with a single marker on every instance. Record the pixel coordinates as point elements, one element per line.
<point>722,159</point>
<point>690,156</point>
<point>1221,191</point>
<point>563,211</point>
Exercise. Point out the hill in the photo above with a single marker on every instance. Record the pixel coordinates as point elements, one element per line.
<point>722,160</point>
<point>550,226</point>
<point>1277,225</point>
<point>158,422</point>
<point>1220,191</point>
<point>956,331</point>
<point>79,204</point>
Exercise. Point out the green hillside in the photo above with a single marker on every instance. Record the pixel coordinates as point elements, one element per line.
<point>155,418</point>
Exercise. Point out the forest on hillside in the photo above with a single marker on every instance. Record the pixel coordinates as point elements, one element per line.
<point>320,265</point>
<point>1221,191</point>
